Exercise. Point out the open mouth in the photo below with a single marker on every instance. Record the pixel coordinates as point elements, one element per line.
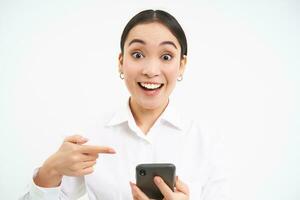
<point>150,86</point>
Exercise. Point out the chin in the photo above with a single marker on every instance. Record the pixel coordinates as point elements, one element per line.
<point>151,105</point>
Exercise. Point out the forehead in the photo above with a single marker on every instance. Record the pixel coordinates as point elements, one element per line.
<point>152,33</point>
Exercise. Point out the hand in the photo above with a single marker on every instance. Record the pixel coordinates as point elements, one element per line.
<point>72,159</point>
<point>181,191</point>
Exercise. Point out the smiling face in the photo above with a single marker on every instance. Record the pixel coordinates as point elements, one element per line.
<point>151,63</point>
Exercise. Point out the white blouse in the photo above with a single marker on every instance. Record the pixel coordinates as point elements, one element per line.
<point>172,139</point>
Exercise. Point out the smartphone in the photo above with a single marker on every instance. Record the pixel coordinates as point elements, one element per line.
<point>145,174</point>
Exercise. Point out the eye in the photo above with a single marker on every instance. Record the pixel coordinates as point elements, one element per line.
<point>137,55</point>
<point>167,57</point>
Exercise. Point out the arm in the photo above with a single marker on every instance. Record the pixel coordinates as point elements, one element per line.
<point>69,188</point>
<point>61,176</point>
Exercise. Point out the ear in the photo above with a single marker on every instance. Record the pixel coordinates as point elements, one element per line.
<point>182,66</point>
<point>120,62</point>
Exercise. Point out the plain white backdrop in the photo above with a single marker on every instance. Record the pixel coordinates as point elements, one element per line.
<point>58,72</point>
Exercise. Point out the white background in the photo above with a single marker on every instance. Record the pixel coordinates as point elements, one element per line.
<point>58,70</point>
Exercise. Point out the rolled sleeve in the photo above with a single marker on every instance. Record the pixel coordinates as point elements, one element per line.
<point>35,192</point>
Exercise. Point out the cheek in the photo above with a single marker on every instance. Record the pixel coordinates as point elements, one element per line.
<point>129,69</point>
<point>130,73</point>
<point>171,74</point>
<point>172,71</point>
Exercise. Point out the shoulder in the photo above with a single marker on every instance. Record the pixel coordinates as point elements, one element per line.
<point>197,128</point>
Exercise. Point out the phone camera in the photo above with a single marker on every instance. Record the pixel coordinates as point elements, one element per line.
<point>142,172</point>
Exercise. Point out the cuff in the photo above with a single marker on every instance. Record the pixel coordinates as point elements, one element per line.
<point>37,192</point>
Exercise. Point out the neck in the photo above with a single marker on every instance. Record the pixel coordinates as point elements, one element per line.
<point>145,118</point>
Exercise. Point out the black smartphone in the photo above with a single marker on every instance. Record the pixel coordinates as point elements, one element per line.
<point>145,174</point>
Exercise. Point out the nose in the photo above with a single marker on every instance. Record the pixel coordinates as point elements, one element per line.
<point>151,68</point>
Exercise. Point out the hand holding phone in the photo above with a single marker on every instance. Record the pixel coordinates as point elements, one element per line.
<point>145,174</point>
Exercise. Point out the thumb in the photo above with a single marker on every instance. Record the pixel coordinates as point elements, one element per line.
<point>76,139</point>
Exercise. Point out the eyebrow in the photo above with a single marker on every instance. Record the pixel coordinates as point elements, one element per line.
<point>143,42</point>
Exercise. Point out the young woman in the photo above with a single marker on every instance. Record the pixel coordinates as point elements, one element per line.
<point>148,129</point>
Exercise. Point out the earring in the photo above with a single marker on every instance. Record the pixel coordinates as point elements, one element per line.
<point>121,75</point>
<point>179,78</point>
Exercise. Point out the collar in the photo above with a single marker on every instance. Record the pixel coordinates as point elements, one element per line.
<point>170,115</point>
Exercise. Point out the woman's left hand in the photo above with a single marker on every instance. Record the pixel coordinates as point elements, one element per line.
<point>181,192</point>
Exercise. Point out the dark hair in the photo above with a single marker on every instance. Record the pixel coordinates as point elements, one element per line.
<point>148,16</point>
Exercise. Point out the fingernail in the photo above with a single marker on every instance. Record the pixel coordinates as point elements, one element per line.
<point>177,178</point>
<point>157,179</point>
<point>111,151</point>
<point>132,185</point>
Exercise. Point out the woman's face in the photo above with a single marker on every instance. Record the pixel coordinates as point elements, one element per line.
<point>151,64</point>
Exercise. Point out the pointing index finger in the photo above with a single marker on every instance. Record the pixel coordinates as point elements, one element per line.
<point>91,149</point>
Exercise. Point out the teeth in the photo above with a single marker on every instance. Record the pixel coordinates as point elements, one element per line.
<point>150,86</point>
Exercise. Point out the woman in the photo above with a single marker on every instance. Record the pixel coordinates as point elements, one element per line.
<point>147,130</point>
